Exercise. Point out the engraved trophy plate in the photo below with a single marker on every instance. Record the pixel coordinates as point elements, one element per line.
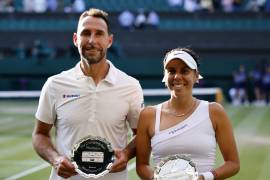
<point>92,157</point>
<point>176,167</point>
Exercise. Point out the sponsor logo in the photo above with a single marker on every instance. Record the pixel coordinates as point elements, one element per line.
<point>177,129</point>
<point>71,95</point>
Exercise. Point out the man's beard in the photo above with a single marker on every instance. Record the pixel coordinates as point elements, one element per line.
<point>94,59</point>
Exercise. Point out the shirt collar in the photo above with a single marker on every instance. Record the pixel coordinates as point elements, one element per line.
<point>112,74</point>
<point>78,71</point>
<point>110,77</point>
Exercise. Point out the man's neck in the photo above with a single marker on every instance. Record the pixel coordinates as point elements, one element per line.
<point>97,71</point>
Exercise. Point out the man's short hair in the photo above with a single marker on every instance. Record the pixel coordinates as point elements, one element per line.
<point>98,13</point>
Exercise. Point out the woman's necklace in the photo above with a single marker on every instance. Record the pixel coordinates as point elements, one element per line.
<point>183,114</point>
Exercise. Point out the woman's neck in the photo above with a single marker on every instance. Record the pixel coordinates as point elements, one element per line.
<point>181,107</point>
<point>181,101</point>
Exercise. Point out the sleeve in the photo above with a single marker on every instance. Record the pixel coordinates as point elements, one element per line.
<point>136,105</point>
<point>46,107</point>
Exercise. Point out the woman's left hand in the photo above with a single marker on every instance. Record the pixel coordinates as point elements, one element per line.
<point>121,161</point>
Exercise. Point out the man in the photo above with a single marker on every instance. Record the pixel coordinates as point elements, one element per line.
<point>93,98</point>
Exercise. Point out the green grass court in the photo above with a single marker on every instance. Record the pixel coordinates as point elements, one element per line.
<point>19,161</point>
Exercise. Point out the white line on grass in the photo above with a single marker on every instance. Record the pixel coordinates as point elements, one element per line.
<point>19,110</point>
<point>7,139</point>
<point>248,127</point>
<point>43,166</point>
<point>250,124</point>
<point>19,147</point>
<point>20,163</point>
<point>6,120</point>
<point>256,139</point>
<point>14,125</point>
<point>29,171</point>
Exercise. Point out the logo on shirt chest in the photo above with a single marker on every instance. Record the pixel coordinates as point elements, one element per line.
<point>70,95</point>
<point>177,129</point>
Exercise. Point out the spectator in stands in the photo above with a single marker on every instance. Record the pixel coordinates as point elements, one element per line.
<point>126,19</point>
<point>252,6</point>
<point>52,5</point>
<point>140,20</point>
<point>206,6</point>
<point>184,122</point>
<point>175,4</point>
<point>255,5</point>
<point>262,4</point>
<point>191,5</point>
<point>38,6</point>
<point>78,6</point>
<point>267,6</point>
<point>227,5</point>
<point>27,6</point>
<point>256,79</point>
<point>93,98</point>
<point>7,6</point>
<point>21,51</point>
<point>152,20</point>
<point>41,51</point>
<point>266,84</point>
<point>240,86</point>
<point>37,50</point>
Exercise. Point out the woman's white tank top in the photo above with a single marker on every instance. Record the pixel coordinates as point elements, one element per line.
<point>193,137</point>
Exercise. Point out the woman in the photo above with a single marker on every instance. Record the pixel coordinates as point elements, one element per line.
<point>186,125</point>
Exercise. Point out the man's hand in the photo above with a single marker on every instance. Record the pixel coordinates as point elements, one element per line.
<point>200,177</point>
<point>121,161</point>
<point>64,167</point>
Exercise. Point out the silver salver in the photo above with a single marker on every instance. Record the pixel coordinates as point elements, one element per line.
<point>176,167</point>
<point>92,156</point>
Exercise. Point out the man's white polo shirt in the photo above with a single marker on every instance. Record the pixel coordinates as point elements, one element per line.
<point>78,108</point>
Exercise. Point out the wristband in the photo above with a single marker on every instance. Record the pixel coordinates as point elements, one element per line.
<point>208,175</point>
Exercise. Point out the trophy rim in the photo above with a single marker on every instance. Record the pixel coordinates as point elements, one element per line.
<point>76,147</point>
<point>163,161</point>
<point>90,175</point>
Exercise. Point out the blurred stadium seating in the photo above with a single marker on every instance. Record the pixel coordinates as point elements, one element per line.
<point>223,41</point>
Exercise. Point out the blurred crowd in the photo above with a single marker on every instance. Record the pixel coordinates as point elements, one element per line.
<point>40,6</point>
<point>41,50</point>
<point>251,87</point>
<point>138,20</point>
<point>221,5</point>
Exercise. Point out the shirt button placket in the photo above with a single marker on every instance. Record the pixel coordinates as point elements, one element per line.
<point>93,105</point>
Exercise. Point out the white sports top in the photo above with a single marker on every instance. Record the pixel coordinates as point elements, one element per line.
<point>193,137</point>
